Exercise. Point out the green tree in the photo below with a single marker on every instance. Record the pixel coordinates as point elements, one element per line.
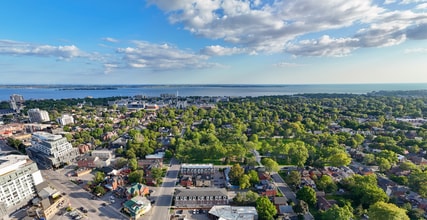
<point>236,172</point>
<point>336,212</point>
<point>136,176</point>
<point>265,208</point>
<point>270,164</point>
<point>98,177</point>
<point>297,153</point>
<point>301,207</point>
<point>133,164</point>
<point>293,179</point>
<point>244,182</point>
<point>389,211</point>
<point>121,162</point>
<point>307,194</point>
<point>99,190</point>
<point>253,177</point>
<point>326,183</point>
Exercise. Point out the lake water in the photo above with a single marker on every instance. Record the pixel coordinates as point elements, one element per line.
<point>55,92</point>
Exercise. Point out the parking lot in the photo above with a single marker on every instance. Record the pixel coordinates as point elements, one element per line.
<point>191,214</point>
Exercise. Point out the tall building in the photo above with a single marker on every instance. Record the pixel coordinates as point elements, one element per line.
<point>65,120</point>
<point>16,102</point>
<point>37,115</point>
<point>50,150</point>
<point>18,177</point>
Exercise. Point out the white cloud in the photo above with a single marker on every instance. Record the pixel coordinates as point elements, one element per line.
<point>110,39</point>
<point>217,50</point>
<point>287,64</point>
<point>416,50</point>
<point>324,46</point>
<point>161,57</point>
<point>274,26</point>
<point>9,47</point>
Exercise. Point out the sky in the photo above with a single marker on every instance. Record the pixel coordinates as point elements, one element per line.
<point>213,41</point>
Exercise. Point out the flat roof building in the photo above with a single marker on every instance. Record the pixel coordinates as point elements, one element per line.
<point>18,177</point>
<point>50,150</point>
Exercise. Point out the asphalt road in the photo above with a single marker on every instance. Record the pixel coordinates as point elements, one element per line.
<point>164,195</point>
<point>78,197</point>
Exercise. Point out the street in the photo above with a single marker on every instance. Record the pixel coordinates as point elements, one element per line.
<point>164,195</point>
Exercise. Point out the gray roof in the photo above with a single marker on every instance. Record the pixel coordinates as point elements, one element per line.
<point>201,192</point>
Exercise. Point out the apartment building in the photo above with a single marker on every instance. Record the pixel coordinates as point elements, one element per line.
<point>50,150</point>
<point>18,178</point>
<point>195,169</point>
<point>37,115</point>
<point>200,197</point>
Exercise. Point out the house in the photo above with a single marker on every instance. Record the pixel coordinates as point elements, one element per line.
<point>87,162</point>
<point>137,189</point>
<point>280,201</point>
<point>186,181</point>
<point>324,204</point>
<point>137,206</point>
<point>418,160</point>
<point>266,189</point>
<point>114,182</point>
<point>226,212</point>
<point>200,197</point>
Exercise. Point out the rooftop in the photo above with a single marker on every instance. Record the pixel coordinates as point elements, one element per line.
<point>227,212</point>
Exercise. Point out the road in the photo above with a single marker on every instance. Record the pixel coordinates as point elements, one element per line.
<point>164,195</point>
<point>287,191</point>
<point>79,197</point>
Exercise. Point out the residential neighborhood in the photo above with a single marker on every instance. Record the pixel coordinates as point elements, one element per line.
<point>200,158</point>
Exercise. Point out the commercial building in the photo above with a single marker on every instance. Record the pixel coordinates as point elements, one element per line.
<point>50,150</point>
<point>196,169</point>
<point>200,197</point>
<point>37,115</point>
<point>18,178</point>
<point>137,206</point>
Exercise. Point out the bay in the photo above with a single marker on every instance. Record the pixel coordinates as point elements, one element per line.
<point>99,91</point>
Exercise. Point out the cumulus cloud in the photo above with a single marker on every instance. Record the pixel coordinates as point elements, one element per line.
<point>145,55</point>
<point>217,50</point>
<point>110,39</point>
<point>9,47</point>
<point>324,46</point>
<point>274,26</point>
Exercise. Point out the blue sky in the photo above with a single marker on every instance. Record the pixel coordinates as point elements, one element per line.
<point>213,41</point>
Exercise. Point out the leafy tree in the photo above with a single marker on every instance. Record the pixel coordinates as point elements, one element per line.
<point>364,190</point>
<point>301,207</point>
<point>265,208</point>
<point>336,212</point>
<point>246,198</point>
<point>307,194</point>
<point>99,177</point>
<point>384,164</point>
<point>244,182</point>
<point>157,174</point>
<point>236,172</point>
<point>389,211</point>
<point>121,162</point>
<point>133,164</point>
<point>270,164</point>
<point>136,176</point>
<point>293,179</point>
<point>326,183</point>
<point>99,190</point>
<point>298,153</point>
<point>253,177</point>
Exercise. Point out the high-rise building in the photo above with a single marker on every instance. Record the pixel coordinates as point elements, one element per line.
<point>18,177</point>
<point>65,120</point>
<point>16,102</point>
<point>50,150</point>
<point>37,115</point>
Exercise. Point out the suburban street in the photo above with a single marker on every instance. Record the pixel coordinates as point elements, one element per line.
<point>287,191</point>
<point>78,197</point>
<point>164,195</point>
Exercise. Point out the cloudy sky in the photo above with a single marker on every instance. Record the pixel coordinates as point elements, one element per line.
<point>213,41</point>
